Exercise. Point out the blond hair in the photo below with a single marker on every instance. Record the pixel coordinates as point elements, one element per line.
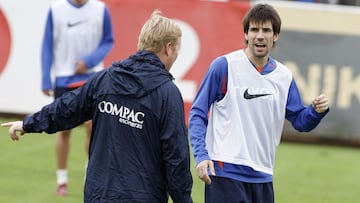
<point>158,31</point>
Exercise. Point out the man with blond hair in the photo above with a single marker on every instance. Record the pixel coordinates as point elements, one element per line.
<point>139,150</point>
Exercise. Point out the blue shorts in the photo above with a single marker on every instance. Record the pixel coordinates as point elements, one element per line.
<point>233,191</point>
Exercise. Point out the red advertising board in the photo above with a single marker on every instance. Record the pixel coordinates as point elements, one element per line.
<point>5,39</point>
<point>210,29</point>
<point>318,43</point>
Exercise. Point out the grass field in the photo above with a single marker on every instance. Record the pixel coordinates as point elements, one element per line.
<point>303,173</point>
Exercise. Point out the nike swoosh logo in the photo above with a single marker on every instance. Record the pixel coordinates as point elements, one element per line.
<point>253,96</point>
<point>69,24</point>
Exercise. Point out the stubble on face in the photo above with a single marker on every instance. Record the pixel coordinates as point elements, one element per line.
<point>260,38</point>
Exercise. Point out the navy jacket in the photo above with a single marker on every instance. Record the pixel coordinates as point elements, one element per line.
<point>139,149</point>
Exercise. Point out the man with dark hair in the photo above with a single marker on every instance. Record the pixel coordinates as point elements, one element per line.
<point>248,95</point>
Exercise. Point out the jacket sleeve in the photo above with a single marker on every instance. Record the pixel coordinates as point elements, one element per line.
<point>175,146</point>
<point>65,112</point>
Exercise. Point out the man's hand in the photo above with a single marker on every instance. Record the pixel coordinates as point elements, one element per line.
<point>202,170</point>
<point>48,92</point>
<point>320,103</point>
<point>14,127</point>
<point>80,67</point>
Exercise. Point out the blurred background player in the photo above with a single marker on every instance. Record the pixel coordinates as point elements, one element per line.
<point>78,36</point>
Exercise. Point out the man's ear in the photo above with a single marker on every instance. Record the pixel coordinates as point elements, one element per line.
<point>168,48</point>
<point>276,37</point>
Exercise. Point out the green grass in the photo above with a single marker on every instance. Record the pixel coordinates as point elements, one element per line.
<point>303,173</point>
<point>317,174</point>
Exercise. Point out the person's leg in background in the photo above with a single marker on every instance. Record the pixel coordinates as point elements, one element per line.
<point>62,153</point>
<point>62,148</point>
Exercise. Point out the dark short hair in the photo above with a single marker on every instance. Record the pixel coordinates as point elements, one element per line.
<point>261,13</point>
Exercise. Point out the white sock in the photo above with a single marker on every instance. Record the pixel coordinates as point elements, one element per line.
<point>61,176</point>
